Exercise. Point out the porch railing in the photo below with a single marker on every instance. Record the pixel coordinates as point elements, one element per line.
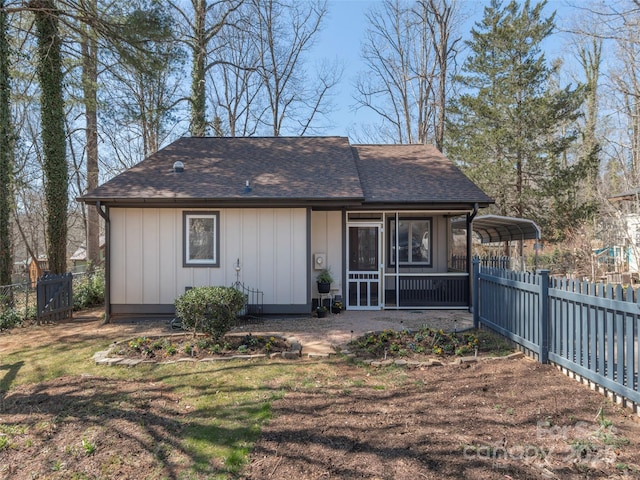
<point>426,290</point>
<point>459,262</point>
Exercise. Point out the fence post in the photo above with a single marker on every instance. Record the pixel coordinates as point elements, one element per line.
<point>544,316</point>
<point>476,292</point>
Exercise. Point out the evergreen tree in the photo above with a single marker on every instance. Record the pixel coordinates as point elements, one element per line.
<point>56,176</point>
<point>6,152</point>
<point>512,127</point>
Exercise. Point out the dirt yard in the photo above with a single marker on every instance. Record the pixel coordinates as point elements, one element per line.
<point>492,420</point>
<point>500,419</point>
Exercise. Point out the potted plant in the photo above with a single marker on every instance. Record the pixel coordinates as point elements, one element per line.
<point>324,280</point>
<point>336,307</point>
<point>321,311</point>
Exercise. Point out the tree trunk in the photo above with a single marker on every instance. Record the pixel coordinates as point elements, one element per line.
<point>198,114</point>
<point>6,154</point>
<point>90,89</point>
<point>53,132</point>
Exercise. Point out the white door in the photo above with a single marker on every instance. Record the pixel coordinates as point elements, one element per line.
<point>364,266</point>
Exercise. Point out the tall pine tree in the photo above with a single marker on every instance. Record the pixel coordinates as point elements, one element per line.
<point>512,128</point>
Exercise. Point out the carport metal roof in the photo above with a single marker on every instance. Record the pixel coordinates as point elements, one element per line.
<point>495,228</point>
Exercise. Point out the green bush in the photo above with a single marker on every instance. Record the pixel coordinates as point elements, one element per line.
<point>209,310</point>
<point>9,318</point>
<point>30,312</point>
<point>88,290</point>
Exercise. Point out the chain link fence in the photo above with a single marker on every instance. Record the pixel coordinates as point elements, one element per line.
<point>18,301</point>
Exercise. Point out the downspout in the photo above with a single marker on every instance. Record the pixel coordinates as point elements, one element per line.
<point>470,217</point>
<point>107,260</point>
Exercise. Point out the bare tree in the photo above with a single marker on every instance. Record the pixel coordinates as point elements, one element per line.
<point>260,82</point>
<point>89,50</point>
<point>441,17</point>
<point>616,27</point>
<point>202,22</point>
<point>408,50</point>
<point>283,32</point>
<point>236,83</point>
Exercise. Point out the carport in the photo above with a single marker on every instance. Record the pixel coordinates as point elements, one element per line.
<point>497,229</point>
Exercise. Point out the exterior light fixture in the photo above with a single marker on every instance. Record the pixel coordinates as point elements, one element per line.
<point>237,267</point>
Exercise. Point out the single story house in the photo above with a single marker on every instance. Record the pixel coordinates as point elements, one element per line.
<point>271,212</point>
<point>623,247</point>
<point>79,257</point>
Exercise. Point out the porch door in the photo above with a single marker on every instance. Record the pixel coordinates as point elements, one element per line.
<point>364,267</point>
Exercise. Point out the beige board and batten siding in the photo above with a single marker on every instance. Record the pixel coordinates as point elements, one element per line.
<point>439,253</point>
<point>327,237</point>
<point>147,254</point>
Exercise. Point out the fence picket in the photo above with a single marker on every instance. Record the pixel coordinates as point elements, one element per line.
<point>610,337</point>
<point>629,352</point>
<point>589,328</point>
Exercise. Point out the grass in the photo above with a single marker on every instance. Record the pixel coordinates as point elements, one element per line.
<point>227,402</point>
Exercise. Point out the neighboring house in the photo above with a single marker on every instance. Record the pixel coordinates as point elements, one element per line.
<point>625,249</point>
<point>37,268</point>
<point>79,257</point>
<point>272,211</point>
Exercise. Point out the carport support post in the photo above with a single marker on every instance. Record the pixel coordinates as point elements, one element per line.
<point>476,292</point>
<point>544,316</point>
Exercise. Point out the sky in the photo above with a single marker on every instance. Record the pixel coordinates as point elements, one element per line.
<point>341,38</point>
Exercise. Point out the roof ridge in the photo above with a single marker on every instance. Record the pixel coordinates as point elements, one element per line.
<point>262,137</point>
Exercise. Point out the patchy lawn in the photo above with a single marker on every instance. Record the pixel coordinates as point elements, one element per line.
<point>63,417</point>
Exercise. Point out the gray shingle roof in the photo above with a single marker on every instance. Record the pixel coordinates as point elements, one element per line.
<point>217,169</point>
<point>310,170</point>
<point>413,174</point>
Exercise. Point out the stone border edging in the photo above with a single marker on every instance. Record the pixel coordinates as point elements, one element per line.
<point>294,353</point>
<point>437,363</point>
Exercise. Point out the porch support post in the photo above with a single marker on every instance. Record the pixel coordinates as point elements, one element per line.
<point>103,211</point>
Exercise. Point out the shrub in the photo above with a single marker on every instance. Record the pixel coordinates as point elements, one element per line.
<point>30,312</point>
<point>209,310</point>
<point>9,318</point>
<point>88,290</point>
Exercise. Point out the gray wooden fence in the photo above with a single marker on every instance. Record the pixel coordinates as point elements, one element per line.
<point>590,329</point>
<point>54,297</point>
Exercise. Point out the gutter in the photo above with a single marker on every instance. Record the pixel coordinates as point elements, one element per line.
<point>470,217</point>
<point>103,211</point>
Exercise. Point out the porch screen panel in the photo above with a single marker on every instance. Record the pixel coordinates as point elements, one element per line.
<point>414,241</point>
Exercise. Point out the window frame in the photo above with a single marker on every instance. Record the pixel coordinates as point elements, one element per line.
<point>391,240</point>
<point>215,260</point>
